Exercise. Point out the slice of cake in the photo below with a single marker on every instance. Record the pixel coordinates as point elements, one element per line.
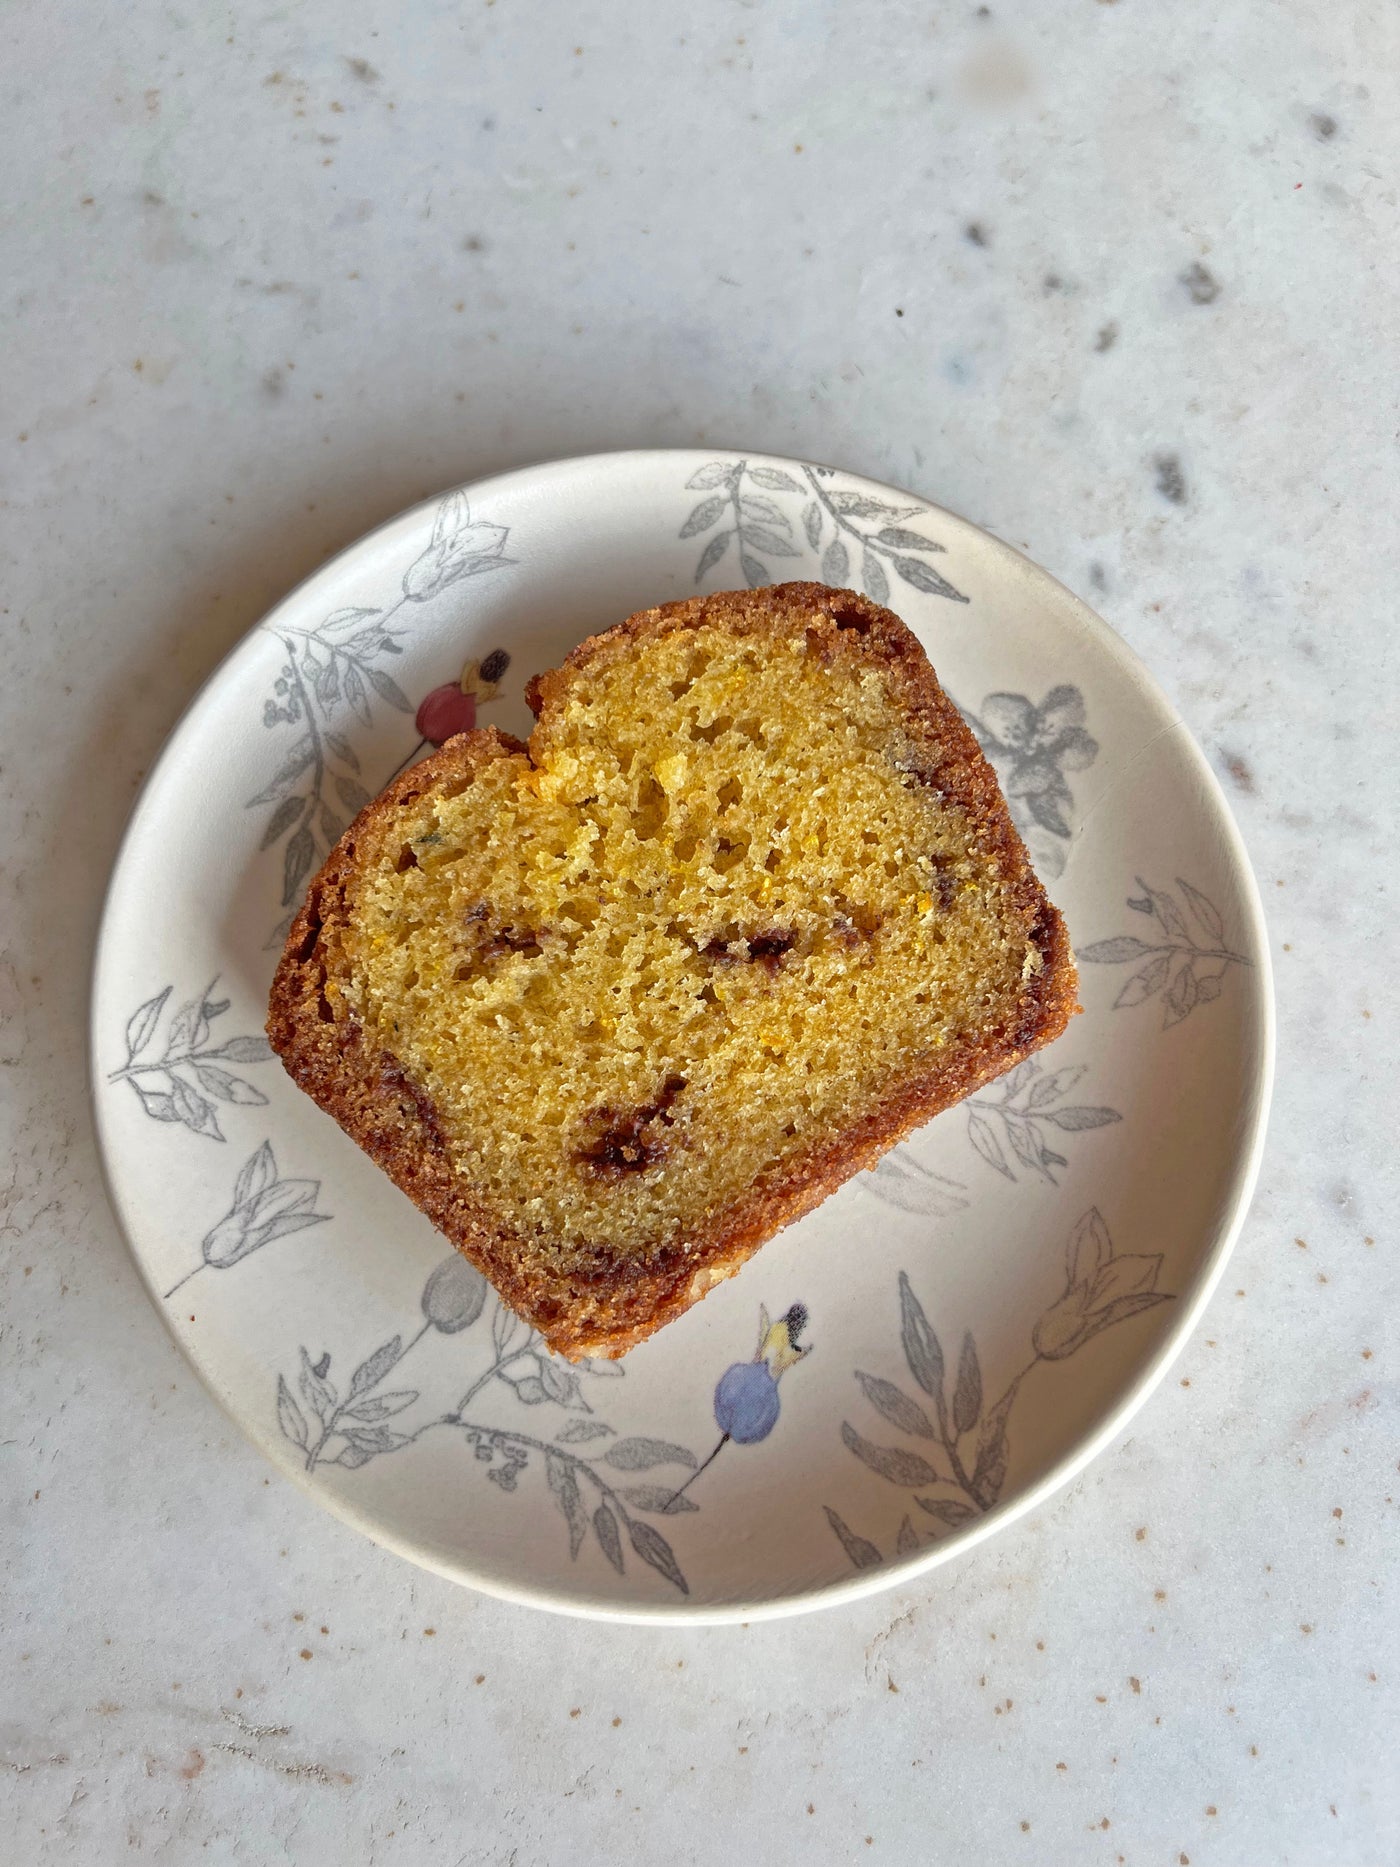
<point>614,1006</point>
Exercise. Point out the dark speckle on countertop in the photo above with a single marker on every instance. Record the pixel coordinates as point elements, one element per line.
<point>1238,769</point>
<point>1201,283</point>
<point>1170,481</point>
<point>1107,337</point>
<point>1323,126</point>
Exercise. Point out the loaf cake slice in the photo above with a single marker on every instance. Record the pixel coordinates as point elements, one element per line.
<point>614,1006</point>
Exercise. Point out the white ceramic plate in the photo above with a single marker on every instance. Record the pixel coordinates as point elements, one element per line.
<point>984,1311</point>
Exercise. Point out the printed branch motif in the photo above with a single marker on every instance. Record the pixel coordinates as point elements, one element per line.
<point>1186,966</point>
<point>901,1180</point>
<point>181,1077</point>
<point>606,1493</point>
<point>963,1445</point>
<point>598,1495</point>
<point>1010,1125</point>
<point>335,672</point>
<point>842,527</point>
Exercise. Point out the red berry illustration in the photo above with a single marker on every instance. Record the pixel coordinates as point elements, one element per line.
<point>445,712</point>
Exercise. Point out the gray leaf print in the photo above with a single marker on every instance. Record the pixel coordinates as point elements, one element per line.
<point>712,553</point>
<point>142,1024</point>
<point>578,1431</point>
<point>382,1406</point>
<point>765,512</point>
<point>605,1529</point>
<point>763,538</point>
<point>373,1369</point>
<point>653,1548</point>
<point>563,1486</point>
<point>901,1180</point>
<point>891,1462</point>
<point>225,1087</point>
<point>1020,1109</point>
<point>168,1076</point>
<point>951,1511</point>
<point>865,506</point>
<point>332,675</point>
<point>1103,1287</point>
<point>1187,969</point>
<point>983,1137</point>
<point>835,521</point>
<point>300,757</point>
<point>873,580</point>
<point>924,577</point>
<point>388,690</point>
<point>660,1499</point>
<point>717,473</point>
<point>703,516</point>
<point>836,564</point>
<point>289,1415</point>
<point>1114,952</point>
<point>639,1455</point>
<point>862,1553</point>
<point>967,1395</point>
<point>350,1432</point>
<point>921,1346</point>
<point>900,538</point>
<point>895,1406</point>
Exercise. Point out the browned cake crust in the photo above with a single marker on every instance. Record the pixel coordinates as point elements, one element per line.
<point>609,1311</point>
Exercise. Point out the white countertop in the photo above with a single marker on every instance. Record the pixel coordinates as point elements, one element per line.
<point>1117,281</point>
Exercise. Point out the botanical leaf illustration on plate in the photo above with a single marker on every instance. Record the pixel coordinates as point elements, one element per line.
<point>1185,966</point>
<point>178,1074</point>
<point>952,1455</point>
<point>1032,748</point>
<point>264,1206</point>
<point>605,1493</point>
<point>859,539</point>
<point>902,1180</point>
<point>333,675</point>
<point>1011,1126</point>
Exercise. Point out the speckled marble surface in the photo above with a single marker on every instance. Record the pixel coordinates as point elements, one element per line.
<point>1114,280</point>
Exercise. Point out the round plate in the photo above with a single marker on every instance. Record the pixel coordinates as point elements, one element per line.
<point>985,1309</point>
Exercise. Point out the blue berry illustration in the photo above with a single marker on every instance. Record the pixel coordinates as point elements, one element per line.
<point>746,1402</point>
<point>746,1396</point>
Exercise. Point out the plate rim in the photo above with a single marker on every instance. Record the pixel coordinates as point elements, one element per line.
<point>1140,1386</point>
